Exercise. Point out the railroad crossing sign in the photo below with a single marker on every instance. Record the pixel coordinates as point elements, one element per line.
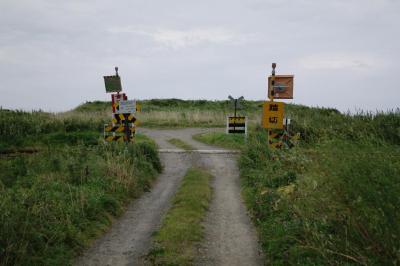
<point>119,118</point>
<point>236,124</point>
<point>118,128</point>
<point>282,87</point>
<point>123,127</point>
<point>119,132</point>
<point>273,113</point>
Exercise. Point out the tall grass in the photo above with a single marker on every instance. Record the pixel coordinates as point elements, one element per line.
<point>332,200</point>
<point>53,203</point>
<point>181,113</point>
<point>19,128</point>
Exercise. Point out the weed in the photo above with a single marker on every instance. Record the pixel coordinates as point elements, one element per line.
<point>181,228</point>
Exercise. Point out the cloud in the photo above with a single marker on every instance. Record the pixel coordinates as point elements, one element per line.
<point>178,39</point>
<point>339,61</point>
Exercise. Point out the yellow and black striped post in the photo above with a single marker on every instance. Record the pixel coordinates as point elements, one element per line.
<point>271,135</point>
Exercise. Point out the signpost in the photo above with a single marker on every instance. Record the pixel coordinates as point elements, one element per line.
<point>273,118</point>
<point>235,123</point>
<point>124,122</point>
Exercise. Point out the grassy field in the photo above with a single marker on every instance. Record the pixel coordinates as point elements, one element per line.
<point>181,231</point>
<point>58,197</point>
<point>179,113</point>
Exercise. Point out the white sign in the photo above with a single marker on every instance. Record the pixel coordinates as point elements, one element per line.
<point>127,107</point>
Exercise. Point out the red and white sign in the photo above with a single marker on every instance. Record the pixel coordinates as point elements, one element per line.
<point>115,99</point>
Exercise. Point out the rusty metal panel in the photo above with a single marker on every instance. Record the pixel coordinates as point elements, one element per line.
<point>283,87</point>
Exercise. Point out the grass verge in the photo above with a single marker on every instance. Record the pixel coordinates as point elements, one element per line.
<point>53,203</point>
<point>221,139</point>
<point>334,202</point>
<point>175,242</point>
<point>181,144</point>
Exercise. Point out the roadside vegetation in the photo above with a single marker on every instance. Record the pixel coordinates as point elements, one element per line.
<point>181,144</point>
<point>180,113</point>
<point>181,232</point>
<point>334,198</point>
<point>60,186</point>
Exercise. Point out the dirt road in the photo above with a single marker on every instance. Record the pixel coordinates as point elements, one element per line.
<point>230,238</point>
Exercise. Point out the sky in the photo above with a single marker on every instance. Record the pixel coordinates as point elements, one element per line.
<point>344,54</point>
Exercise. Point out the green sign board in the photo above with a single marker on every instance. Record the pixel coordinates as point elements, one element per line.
<point>112,83</point>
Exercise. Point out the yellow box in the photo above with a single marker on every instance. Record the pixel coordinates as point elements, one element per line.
<point>273,113</point>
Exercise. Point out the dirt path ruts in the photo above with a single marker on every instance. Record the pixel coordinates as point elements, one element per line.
<point>230,238</point>
<point>130,237</point>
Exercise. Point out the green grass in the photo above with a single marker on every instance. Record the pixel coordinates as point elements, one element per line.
<point>173,113</point>
<point>53,203</point>
<point>181,144</point>
<point>181,230</point>
<point>332,200</point>
<point>229,141</point>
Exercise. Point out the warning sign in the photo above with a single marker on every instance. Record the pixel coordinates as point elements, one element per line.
<point>126,107</point>
<point>236,124</point>
<point>273,113</point>
<point>282,88</point>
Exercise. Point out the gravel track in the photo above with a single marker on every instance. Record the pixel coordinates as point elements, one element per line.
<point>230,237</point>
<point>130,236</point>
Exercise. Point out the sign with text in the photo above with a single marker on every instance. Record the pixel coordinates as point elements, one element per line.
<point>126,107</point>
<point>273,113</point>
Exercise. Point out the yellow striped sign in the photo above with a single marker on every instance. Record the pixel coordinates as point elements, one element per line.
<point>118,118</point>
<point>114,138</point>
<point>119,128</point>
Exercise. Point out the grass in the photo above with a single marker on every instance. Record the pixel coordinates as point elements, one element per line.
<point>60,185</point>
<point>332,200</point>
<point>55,202</point>
<point>181,144</point>
<point>229,141</point>
<point>172,113</point>
<point>181,230</point>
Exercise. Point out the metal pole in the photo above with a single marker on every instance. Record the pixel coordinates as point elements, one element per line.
<point>272,95</point>
<point>234,117</point>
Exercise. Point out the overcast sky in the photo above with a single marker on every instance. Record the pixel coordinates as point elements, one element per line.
<point>343,53</point>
